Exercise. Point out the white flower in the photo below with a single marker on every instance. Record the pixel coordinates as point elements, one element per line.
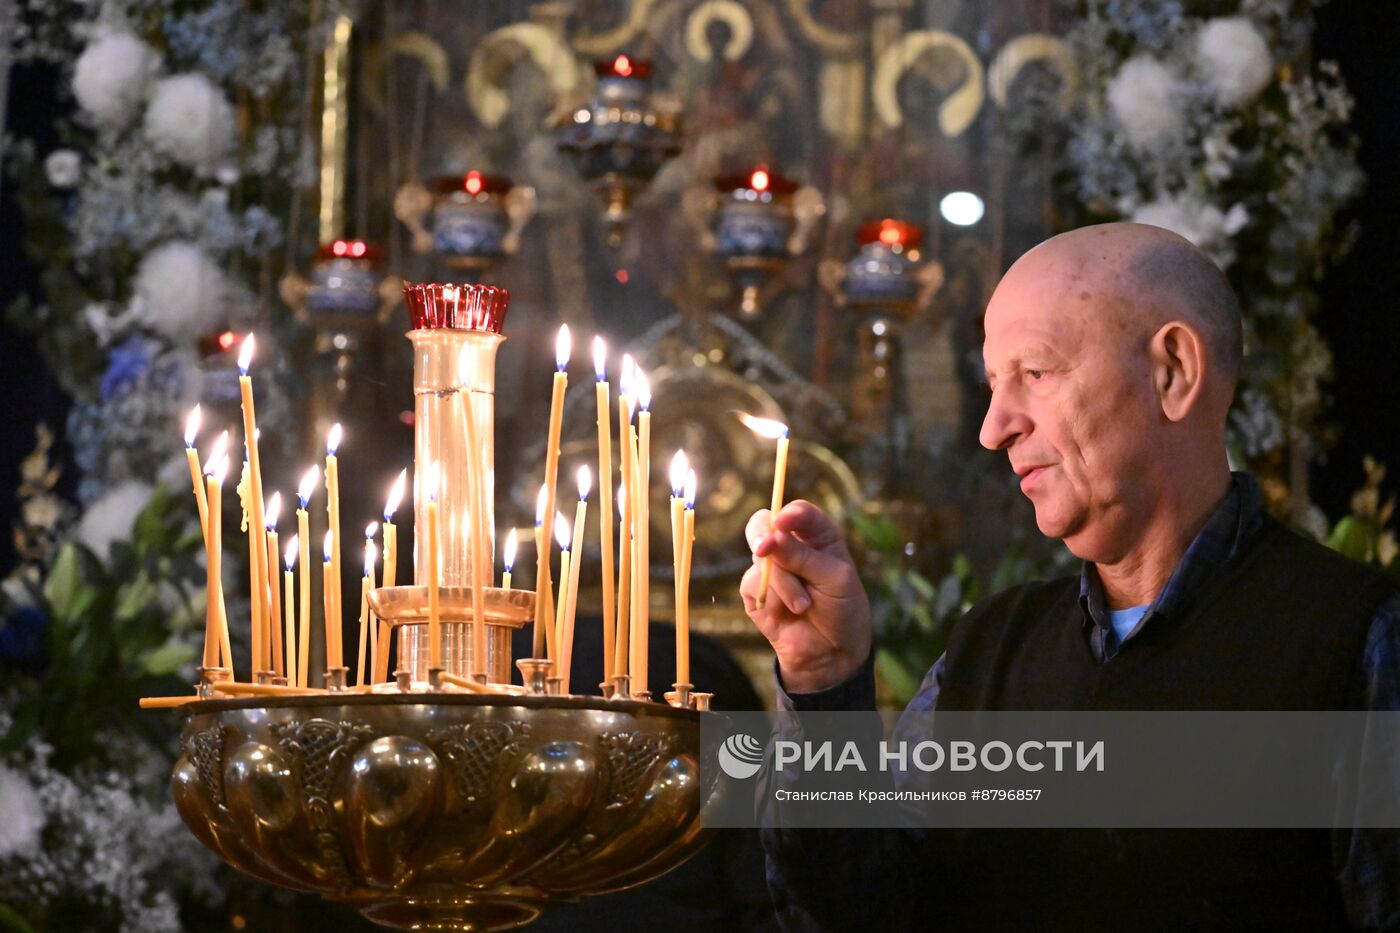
<point>110,518</point>
<point>1197,220</point>
<point>1234,59</point>
<point>64,168</point>
<point>23,814</point>
<point>110,78</point>
<point>180,292</point>
<point>191,121</point>
<point>1143,99</point>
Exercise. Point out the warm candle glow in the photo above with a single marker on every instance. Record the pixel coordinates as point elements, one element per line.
<point>432,480</point>
<point>540,502</point>
<point>309,479</point>
<point>273,512</point>
<point>370,554</point>
<point>218,470</point>
<point>391,505</point>
<point>192,426</point>
<point>643,387</point>
<point>585,482</point>
<point>289,556</point>
<point>764,427</point>
<point>629,372</point>
<point>333,438</point>
<point>679,467</point>
<point>690,489</point>
<point>329,546</point>
<point>561,530</point>
<point>600,359</point>
<point>563,347</point>
<point>508,555</point>
<point>219,452</point>
<point>759,180</point>
<point>245,355</point>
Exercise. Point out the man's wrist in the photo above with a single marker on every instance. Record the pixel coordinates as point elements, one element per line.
<point>857,691</point>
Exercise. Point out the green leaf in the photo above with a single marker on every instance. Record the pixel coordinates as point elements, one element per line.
<point>133,597</point>
<point>12,922</point>
<point>897,674</point>
<point>61,588</point>
<point>168,659</point>
<point>1352,538</point>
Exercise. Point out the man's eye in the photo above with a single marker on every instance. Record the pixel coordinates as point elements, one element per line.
<point>1035,373</point>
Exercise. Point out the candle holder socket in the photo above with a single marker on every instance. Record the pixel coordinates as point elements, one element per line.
<point>680,696</point>
<point>435,678</point>
<point>554,685</point>
<point>335,678</point>
<point>607,689</point>
<point>534,673</point>
<point>700,701</point>
<point>642,696</point>
<point>264,677</point>
<point>403,679</point>
<point>622,686</point>
<point>210,678</point>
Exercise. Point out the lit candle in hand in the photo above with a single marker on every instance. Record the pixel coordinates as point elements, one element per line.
<point>773,430</point>
<point>509,558</point>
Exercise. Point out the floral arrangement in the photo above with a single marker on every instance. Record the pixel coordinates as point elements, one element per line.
<point>1217,126</point>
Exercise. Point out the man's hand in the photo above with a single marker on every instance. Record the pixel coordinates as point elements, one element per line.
<point>816,614</point>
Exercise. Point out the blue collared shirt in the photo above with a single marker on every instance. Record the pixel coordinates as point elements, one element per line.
<point>1369,871</point>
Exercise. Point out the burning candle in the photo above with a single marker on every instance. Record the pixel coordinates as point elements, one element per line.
<point>476,483</point>
<point>304,491</point>
<point>562,536</point>
<point>688,545</point>
<point>334,655</point>
<point>624,584</point>
<point>201,499</point>
<point>542,646</point>
<point>289,564</point>
<point>679,468</point>
<point>274,618</point>
<point>327,596</point>
<point>509,558</point>
<point>434,572</point>
<point>641,519</point>
<point>214,472</point>
<point>366,584</point>
<point>605,516</point>
<point>773,430</point>
<point>566,642</point>
<point>259,558</point>
<point>391,565</point>
<point>544,592</point>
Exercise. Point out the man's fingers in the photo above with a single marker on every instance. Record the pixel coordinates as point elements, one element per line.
<point>808,522</point>
<point>760,523</point>
<point>818,568</point>
<point>782,586</point>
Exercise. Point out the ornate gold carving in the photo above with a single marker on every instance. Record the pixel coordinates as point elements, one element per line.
<point>473,752</point>
<point>832,42</point>
<point>1020,52</point>
<point>730,13</point>
<point>545,49</point>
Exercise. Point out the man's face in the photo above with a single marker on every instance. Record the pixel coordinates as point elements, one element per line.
<point>1072,404</point>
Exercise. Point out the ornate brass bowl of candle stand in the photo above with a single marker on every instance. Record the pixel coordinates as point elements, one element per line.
<point>441,811</point>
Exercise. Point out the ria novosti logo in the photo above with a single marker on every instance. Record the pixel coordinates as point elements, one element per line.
<point>741,756</point>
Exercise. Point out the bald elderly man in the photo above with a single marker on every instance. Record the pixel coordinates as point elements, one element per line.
<point>1112,353</point>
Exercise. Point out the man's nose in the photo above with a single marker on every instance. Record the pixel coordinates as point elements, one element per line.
<point>1005,421</point>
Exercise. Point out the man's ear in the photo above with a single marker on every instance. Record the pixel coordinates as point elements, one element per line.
<point>1178,356</point>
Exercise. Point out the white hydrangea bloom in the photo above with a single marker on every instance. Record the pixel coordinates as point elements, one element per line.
<point>1234,59</point>
<point>1143,98</point>
<point>110,78</point>
<point>111,517</point>
<point>180,293</point>
<point>190,120</point>
<point>1199,221</point>
<point>63,168</point>
<point>23,814</point>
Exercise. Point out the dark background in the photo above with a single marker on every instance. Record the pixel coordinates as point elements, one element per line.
<point>1360,317</point>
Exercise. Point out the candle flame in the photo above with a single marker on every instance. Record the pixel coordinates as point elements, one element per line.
<point>540,501</point>
<point>245,355</point>
<point>629,374</point>
<point>691,488</point>
<point>391,505</point>
<point>328,547</point>
<point>289,556</point>
<point>585,482</point>
<point>219,452</point>
<point>563,346</point>
<point>763,427</point>
<point>512,542</point>
<point>218,469</point>
<point>192,426</point>
<point>679,465</point>
<point>371,530</point>
<point>333,439</point>
<point>273,511</point>
<point>561,530</point>
<point>643,390</point>
<point>309,479</point>
<point>371,553</point>
<point>432,480</point>
<point>600,358</point>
